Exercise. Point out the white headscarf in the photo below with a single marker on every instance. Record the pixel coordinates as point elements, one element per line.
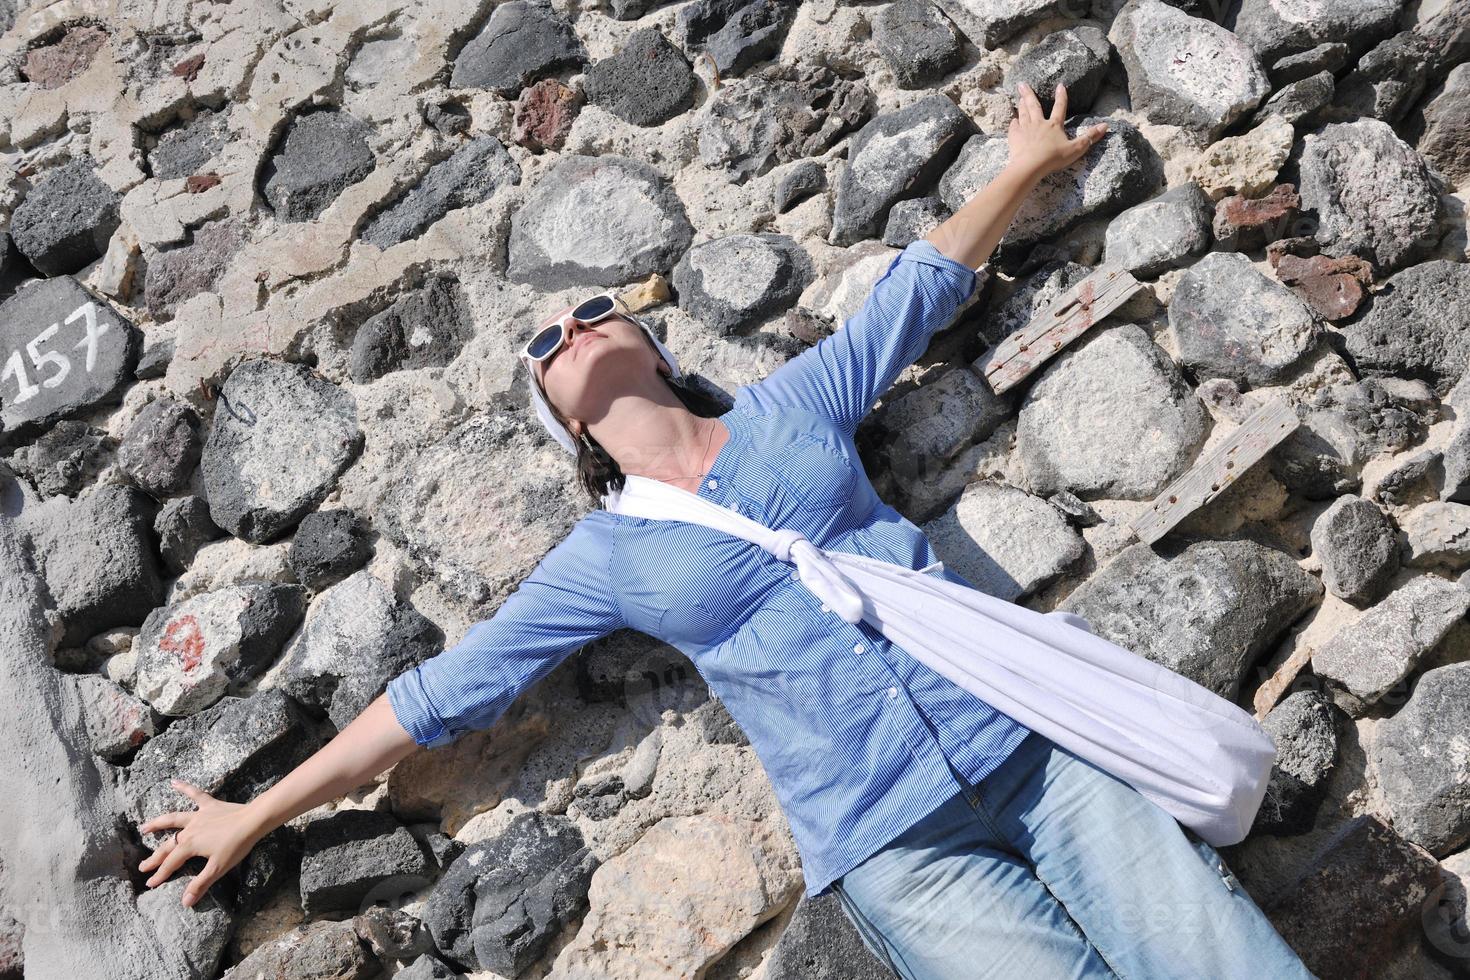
<point>543,409</point>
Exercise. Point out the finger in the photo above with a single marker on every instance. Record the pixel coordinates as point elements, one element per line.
<point>1029,108</point>
<point>177,856</point>
<point>1059,104</point>
<point>165,821</point>
<point>190,790</point>
<point>151,861</point>
<point>200,883</point>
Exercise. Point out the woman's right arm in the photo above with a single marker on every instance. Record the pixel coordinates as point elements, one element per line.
<point>567,601</point>
<point>224,833</point>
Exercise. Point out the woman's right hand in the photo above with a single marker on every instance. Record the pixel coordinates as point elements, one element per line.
<point>219,831</point>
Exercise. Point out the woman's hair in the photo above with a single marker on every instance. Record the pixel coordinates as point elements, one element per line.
<point>597,471</point>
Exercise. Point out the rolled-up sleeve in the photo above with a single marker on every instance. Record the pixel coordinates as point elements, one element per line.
<point>843,375</point>
<point>566,602</point>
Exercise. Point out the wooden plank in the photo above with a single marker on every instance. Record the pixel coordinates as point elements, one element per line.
<point>1067,318</point>
<point>1207,479</point>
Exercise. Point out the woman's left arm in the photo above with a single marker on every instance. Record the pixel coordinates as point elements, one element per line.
<point>1038,147</point>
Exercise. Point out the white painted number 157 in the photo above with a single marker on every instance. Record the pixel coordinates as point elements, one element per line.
<point>15,366</point>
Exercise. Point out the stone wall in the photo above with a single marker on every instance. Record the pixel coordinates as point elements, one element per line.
<point>264,442</point>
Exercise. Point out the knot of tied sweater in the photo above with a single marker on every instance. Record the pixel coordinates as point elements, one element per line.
<point>817,572</point>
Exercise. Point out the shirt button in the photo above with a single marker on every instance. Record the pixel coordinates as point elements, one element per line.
<point>892,693</point>
<point>857,648</point>
<point>732,505</point>
<point>712,484</point>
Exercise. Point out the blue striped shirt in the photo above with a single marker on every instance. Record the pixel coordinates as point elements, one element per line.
<point>858,738</point>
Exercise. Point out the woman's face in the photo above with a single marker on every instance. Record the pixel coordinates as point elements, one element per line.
<point>588,370</point>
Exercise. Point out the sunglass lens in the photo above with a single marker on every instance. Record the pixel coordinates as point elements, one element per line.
<point>592,309</point>
<point>545,342</point>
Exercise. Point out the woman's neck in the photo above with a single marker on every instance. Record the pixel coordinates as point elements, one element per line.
<point>659,438</point>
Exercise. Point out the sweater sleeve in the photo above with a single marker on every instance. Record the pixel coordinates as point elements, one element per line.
<point>565,602</point>
<point>844,374</point>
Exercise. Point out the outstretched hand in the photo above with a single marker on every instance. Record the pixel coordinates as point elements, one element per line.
<point>1038,143</point>
<point>218,831</point>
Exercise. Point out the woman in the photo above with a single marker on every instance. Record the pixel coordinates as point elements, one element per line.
<point>960,843</point>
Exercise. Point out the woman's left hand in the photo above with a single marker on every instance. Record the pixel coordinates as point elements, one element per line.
<point>1038,144</point>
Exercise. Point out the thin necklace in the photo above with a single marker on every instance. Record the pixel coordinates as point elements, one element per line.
<point>709,439</point>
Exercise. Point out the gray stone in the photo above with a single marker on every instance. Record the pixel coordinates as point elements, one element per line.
<point>1329,56</point>
<point>328,546</point>
<point>192,653</point>
<point>1444,127</point>
<point>989,22</point>
<point>394,934</point>
<point>80,915</point>
<point>1378,650</point>
<point>14,269</point>
<point>1077,58</point>
<point>319,950</point>
<point>1417,327</point>
<point>737,281</point>
<point>922,430</point>
<point>96,555</point>
<point>1387,80</point>
<point>735,33</point>
<point>910,220</point>
<point>1275,28</point>
<point>356,638</point>
<point>505,898</point>
<point>351,857</point>
<point>1074,432</point>
<point>179,273</point>
<point>1231,321</point>
<point>200,931</point>
<point>597,221</point>
<point>1373,194</point>
<point>1207,610</point>
<point>1162,233</point>
<point>648,81</point>
<point>66,219</point>
<point>86,353</point>
<point>1300,102</point>
<point>1186,71</point>
<point>897,154</point>
<point>428,967</point>
<point>183,526</point>
<point>1358,547</point>
<point>117,722</point>
<point>1456,461</point>
<point>1120,170</point>
<point>1410,478</point>
<point>468,176</point>
<point>280,439</point>
<point>1004,541</point>
<point>799,183</point>
<point>783,114</point>
<point>183,149</point>
<point>426,327</point>
<point>324,152</point>
<point>64,459</point>
<point>1344,426</point>
<point>234,750</point>
<point>157,353</point>
<point>917,43</point>
<point>1422,769</point>
<point>162,446</point>
<point>520,43</point>
<point>820,942</point>
<point>1437,536</point>
<point>1304,728</point>
<point>1366,894</point>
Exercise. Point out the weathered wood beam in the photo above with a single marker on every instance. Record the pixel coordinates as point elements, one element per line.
<point>1066,319</point>
<point>1208,478</point>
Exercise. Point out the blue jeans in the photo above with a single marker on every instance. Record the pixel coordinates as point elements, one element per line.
<point>1050,868</point>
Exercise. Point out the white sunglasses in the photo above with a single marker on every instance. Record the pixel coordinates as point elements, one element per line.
<point>550,338</point>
